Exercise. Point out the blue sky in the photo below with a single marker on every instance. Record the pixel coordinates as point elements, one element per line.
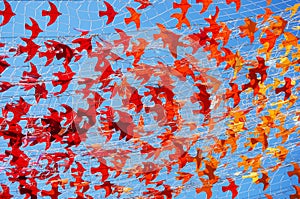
<point>84,15</point>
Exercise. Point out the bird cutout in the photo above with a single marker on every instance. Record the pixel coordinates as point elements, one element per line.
<point>285,64</point>
<point>182,19</point>
<point>31,49</point>
<point>183,5</point>
<point>64,79</point>
<point>206,187</point>
<point>138,50</point>
<point>266,16</point>
<point>144,4</point>
<point>270,39</point>
<point>34,28</point>
<point>231,187</point>
<point>205,4</point>
<point>185,177</point>
<point>135,17</point>
<point>254,162</point>
<point>3,63</point>
<point>4,86</point>
<point>124,39</point>
<point>169,39</point>
<point>284,133</point>
<point>297,194</point>
<point>248,29</point>
<point>296,171</point>
<point>237,3</point>
<point>289,42</point>
<point>287,88</point>
<point>85,44</point>
<point>53,13</point>
<point>224,35</point>
<point>82,31</point>
<point>110,13</point>
<point>278,25</point>
<point>293,9</point>
<point>234,93</point>
<point>7,13</point>
<point>264,179</point>
<point>253,175</point>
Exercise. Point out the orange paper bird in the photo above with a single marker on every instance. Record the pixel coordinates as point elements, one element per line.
<point>135,17</point>
<point>248,29</point>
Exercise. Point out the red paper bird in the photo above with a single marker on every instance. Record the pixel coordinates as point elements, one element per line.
<point>5,193</point>
<point>110,13</point>
<point>295,172</point>
<point>103,169</point>
<point>144,4</point>
<point>31,49</point>
<point>107,186</point>
<point>4,86</point>
<point>124,39</point>
<point>231,187</point>
<point>52,13</point>
<point>183,5</point>
<point>135,17</point>
<point>3,63</point>
<point>7,13</point>
<point>83,32</point>
<point>237,3</point>
<point>287,88</point>
<point>34,28</point>
<point>64,79</point>
<point>234,93</point>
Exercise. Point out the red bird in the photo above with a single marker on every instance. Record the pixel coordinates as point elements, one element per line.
<point>110,13</point>
<point>7,13</point>
<point>144,4</point>
<point>31,49</point>
<point>4,86</point>
<point>52,13</point>
<point>287,88</point>
<point>231,187</point>
<point>124,39</point>
<point>64,79</point>
<point>34,28</point>
<point>3,64</point>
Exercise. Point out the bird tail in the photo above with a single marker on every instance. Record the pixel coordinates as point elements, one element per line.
<point>102,13</point>
<point>45,12</point>
<point>127,20</point>
<point>278,90</point>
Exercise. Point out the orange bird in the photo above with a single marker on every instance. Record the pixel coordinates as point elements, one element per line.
<point>205,4</point>
<point>183,5</point>
<point>135,17</point>
<point>237,3</point>
<point>110,13</point>
<point>7,13</point>
<point>265,16</point>
<point>52,13</point>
